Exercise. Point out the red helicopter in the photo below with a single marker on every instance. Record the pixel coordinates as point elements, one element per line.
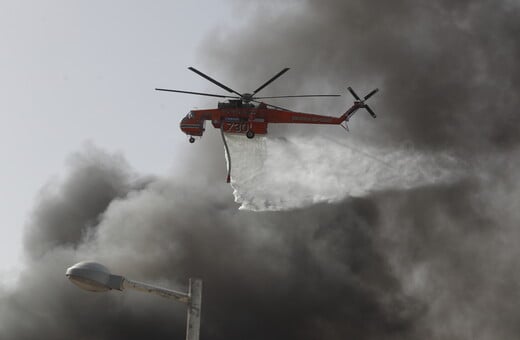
<point>240,115</point>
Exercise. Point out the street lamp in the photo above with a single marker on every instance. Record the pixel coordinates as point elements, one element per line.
<point>95,277</point>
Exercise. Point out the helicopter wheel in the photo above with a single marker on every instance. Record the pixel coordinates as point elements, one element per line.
<point>250,134</point>
<point>192,140</point>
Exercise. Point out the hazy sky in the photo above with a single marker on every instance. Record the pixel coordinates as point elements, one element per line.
<point>85,71</point>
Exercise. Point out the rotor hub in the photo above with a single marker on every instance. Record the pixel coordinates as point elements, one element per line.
<point>247,97</point>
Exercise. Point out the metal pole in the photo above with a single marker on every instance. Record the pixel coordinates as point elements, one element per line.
<point>193,300</point>
<point>194,308</point>
<point>96,277</point>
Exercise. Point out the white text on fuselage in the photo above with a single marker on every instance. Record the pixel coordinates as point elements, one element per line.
<point>236,127</point>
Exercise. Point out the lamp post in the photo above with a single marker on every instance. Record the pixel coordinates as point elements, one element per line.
<point>95,277</point>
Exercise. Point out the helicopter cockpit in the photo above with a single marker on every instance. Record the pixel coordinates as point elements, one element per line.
<point>192,125</point>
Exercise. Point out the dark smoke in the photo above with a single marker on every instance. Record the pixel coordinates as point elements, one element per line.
<point>447,70</point>
<point>435,262</point>
<point>429,262</point>
<point>279,275</point>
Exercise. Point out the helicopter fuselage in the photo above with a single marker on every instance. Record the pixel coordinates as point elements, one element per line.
<point>251,120</point>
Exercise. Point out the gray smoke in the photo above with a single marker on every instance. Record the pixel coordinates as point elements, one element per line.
<point>282,275</point>
<point>447,70</point>
<point>438,261</point>
<point>427,262</point>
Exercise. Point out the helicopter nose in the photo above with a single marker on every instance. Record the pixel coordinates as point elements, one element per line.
<point>191,127</point>
<point>182,125</point>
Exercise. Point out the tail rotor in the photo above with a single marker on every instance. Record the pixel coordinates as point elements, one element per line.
<point>361,102</point>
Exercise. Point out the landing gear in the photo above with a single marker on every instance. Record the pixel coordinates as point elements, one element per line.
<point>250,134</point>
<point>192,140</point>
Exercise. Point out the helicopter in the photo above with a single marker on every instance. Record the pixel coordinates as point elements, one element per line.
<point>240,115</point>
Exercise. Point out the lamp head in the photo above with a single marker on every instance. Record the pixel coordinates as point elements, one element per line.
<point>94,277</point>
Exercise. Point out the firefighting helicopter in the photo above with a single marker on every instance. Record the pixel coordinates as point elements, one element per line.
<point>239,115</point>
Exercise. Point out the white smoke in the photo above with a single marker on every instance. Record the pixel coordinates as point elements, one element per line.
<point>270,173</point>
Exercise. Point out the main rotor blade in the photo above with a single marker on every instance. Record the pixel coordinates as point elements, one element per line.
<point>214,81</point>
<point>371,93</point>
<point>198,93</point>
<point>302,96</point>
<point>270,80</point>
<point>276,107</point>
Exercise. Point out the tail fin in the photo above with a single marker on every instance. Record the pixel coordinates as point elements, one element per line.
<point>358,104</point>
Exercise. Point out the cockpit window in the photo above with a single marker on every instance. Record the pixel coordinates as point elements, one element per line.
<point>190,115</point>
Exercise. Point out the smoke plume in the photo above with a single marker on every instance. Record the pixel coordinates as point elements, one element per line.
<point>447,72</point>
